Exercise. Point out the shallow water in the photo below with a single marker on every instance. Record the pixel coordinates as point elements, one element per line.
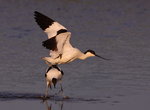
<point>118,30</point>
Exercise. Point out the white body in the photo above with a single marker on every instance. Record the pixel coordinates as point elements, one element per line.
<point>68,53</point>
<point>67,56</point>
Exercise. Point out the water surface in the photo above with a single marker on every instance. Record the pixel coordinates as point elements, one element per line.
<point>118,30</point>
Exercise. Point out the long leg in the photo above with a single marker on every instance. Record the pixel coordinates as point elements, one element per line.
<point>61,89</point>
<point>46,94</point>
<point>47,87</point>
<point>46,90</point>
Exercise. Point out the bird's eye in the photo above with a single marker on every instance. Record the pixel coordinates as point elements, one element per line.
<point>92,52</point>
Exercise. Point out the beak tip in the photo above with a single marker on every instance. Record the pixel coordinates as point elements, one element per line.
<point>101,57</point>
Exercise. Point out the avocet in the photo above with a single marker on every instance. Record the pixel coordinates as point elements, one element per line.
<point>58,42</point>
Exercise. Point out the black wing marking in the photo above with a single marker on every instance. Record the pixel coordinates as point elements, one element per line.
<point>45,22</point>
<point>50,44</point>
<point>61,31</point>
<point>42,20</point>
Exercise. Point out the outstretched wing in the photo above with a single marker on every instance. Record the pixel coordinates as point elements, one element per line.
<point>51,27</point>
<point>57,34</point>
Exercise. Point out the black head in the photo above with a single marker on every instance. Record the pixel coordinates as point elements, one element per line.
<point>54,81</point>
<point>91,51</point>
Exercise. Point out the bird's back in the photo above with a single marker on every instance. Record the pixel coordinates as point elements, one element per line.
<point>53,73</point>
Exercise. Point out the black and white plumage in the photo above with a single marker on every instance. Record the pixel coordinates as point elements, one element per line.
<point>53,75</point>
<point>61,51</point>
<point>52,29</point>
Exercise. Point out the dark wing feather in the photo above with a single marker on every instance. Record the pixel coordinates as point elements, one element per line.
<point>42,20</point>
<point>51,27</point>
<point>50,44</point>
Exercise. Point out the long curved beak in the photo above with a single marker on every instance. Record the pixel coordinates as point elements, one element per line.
<point>101,57</point>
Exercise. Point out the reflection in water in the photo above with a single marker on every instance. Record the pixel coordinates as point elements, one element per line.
<point>36,96</point>
<point>53,105</point>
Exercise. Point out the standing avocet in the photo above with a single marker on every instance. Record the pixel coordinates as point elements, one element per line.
<point>52,76</point>
<point>61,51</point>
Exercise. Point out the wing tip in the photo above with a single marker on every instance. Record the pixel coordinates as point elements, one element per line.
<point>36,12</point>
<point>45,22</point>
<point>42,20</point>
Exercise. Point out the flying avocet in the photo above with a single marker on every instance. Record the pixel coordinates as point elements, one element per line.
<point>52,76</point>
<point>61,51</point>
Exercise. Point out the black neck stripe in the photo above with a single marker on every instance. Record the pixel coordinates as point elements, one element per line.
<point>49,69</point>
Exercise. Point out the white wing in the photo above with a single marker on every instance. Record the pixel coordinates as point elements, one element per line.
<point>57,34</point>
<point>55,29</point>
<point>51,27</point>
<point>62,40</point>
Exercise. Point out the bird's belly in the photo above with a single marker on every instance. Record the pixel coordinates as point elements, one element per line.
<point>68,57</point>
